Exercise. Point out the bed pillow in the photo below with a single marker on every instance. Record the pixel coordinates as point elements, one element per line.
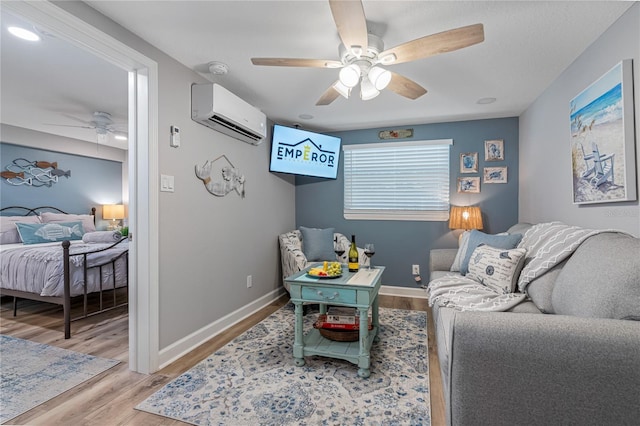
<point>34,233</point>
<point>87,220</point>
<point>317,244</point>
<point>496,268</point>
<point>101,237</point>
<point>498,241</point>
<point>8,231</point>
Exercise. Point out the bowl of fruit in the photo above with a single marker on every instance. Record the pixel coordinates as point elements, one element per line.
<point>327,270</point>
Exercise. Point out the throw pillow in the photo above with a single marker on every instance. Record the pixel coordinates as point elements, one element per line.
<point>496,268</point>
<point>462,250</point>
<point>88,223</point>
<point>9,232</point>
<point>317,244</point>
<point>34,233</point>
<point>601,279</point>
<point>498,241</point>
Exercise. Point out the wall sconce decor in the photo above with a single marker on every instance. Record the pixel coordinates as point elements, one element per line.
<point>113,212</point>
<point>467,217</point>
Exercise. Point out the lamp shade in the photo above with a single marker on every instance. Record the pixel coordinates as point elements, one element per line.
<point>113,211</point>
<point>467,217</point>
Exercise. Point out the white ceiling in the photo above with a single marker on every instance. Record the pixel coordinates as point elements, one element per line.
<point>527,45</point>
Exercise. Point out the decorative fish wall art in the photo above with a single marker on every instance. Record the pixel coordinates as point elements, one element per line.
<point>230,179</point>
<point>33,173</point>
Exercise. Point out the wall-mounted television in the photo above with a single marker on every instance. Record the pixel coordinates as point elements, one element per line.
<point>301,152</point>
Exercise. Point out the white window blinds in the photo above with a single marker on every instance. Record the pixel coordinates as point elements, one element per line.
<point>397,181</point>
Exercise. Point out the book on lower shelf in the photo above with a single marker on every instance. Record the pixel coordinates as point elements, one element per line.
<point>322,322</point>
<point>343,315</point>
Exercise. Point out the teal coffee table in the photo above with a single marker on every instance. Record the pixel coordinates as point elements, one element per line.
<point>358,290</point>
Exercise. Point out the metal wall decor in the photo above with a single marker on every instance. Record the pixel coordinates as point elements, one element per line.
<point>396,134</point>
<point>33,173</point>
<point>227,179</point>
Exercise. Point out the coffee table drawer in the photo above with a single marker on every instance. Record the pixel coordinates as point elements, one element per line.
<point>328,294</point>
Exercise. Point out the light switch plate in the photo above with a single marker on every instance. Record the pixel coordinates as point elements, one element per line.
<point>167,183</point>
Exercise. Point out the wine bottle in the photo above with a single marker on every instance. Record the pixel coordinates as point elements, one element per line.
<point>353,255</point>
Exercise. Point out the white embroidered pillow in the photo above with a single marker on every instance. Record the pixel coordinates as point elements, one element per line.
<point>496,268</point>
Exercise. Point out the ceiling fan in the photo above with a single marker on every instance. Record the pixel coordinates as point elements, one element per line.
<point>102,123</point>
<point>361,55</point>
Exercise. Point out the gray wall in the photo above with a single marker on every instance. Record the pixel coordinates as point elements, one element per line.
<point>400,244</point>
<point>208,245</point>
<point>545,151</point>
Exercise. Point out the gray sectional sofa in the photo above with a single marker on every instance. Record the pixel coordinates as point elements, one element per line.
<point>569,354</point>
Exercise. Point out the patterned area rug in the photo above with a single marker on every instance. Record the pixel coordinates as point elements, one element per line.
<point>33,373</point>
<point>253,380</point>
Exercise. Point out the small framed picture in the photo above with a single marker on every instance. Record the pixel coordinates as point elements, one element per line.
<point>469,162</point>
<point>469,184</point>
<point>494,175</point>
<point>494,150</point>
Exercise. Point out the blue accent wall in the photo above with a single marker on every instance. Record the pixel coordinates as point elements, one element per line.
<point>400,244</point>
<point>92,182</point>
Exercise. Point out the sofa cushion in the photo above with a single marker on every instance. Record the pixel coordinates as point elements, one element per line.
<point>496,268</point>
<point>601,279</point>
<point>317,244</point>
<point>541,288</point>
<point>463,243</point>
<point>498,241</point>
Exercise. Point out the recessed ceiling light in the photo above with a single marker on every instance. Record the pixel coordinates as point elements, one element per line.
<point>485,101</point>
<point>24,34</point>
<point>120,137</point>
<point>306,116</point>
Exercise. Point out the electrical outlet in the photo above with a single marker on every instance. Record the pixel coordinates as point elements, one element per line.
<point>415,269</point>
<point>249,281</point>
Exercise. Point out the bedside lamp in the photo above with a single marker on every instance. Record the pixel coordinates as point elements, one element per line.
<point>467,217</point>
<point>113,212</point>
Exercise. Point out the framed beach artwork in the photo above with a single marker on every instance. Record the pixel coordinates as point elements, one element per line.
<point>602,139</point>
<point>469,162</point>
<point>494,150</point>
<point>494,175</point>
<point>469,184</point>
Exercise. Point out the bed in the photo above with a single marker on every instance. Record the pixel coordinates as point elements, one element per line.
<point>36,265</point>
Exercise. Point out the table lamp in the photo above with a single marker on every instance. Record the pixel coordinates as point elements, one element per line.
<point>113,212</point>
<point>465,217</point>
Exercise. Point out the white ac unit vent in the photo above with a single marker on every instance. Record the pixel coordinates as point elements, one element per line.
<point>214,106</point>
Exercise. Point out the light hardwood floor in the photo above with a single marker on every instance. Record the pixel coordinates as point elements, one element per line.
<point>110,398</point>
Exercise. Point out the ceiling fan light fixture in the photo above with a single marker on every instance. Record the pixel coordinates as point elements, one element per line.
<point>350,75</point>
<point>342,89</point>
<point>379,77</point>
<point>367,90</point>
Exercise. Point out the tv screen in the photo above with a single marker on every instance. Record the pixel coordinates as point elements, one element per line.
<point>301,152</point>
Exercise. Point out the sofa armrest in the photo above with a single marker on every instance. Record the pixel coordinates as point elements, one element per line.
<point>511,369</point>
<point>441,259</point>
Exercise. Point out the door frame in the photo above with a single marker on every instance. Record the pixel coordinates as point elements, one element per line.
<point>143,167</point>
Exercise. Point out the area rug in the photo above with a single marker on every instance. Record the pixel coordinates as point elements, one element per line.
<point>253,380</point>
<point>33,373</point>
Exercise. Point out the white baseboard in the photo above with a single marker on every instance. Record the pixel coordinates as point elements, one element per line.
<point>417,293</point>
<point>187,344</point>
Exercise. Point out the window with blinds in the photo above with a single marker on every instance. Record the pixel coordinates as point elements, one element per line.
<point>397,181</point>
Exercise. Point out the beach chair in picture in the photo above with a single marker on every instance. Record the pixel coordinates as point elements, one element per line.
<point>603,168</point>
<point>588,161</point>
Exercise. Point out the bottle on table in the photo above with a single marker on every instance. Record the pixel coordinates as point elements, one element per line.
<point>353,255</point>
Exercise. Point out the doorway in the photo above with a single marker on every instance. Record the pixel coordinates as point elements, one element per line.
<point>143,166</point>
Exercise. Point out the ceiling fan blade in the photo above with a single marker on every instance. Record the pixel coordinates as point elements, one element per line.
<point>405,87</point>
<point>446,41</point>
<point>297,62</point>
<point>70,125</point>
<point>328,96</point>
<point>350,22</point>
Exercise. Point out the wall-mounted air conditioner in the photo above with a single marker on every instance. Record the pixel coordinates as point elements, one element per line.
<point>214,106</point>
